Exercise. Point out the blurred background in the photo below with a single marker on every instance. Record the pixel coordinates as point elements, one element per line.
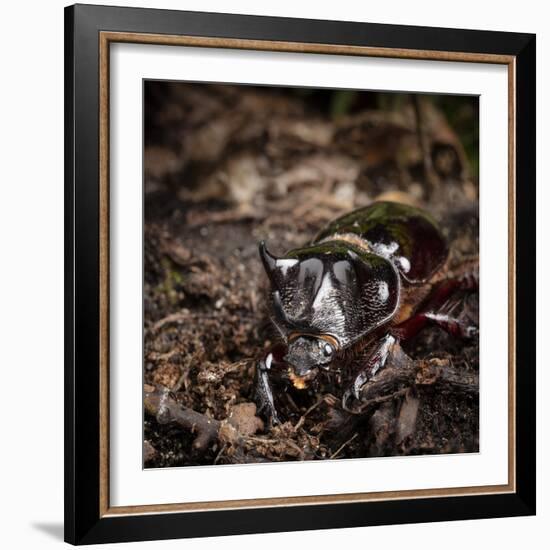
<point>201,134</point>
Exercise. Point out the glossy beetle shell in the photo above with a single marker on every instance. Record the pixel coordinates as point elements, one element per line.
<point>406,235</point>
<point>348,281</point>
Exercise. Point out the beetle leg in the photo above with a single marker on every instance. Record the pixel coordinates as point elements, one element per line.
<point>375,361</point>
<point>456,327</point>
<point>439,309</point>
<point>443,317</point>
<point>264,392</point>
<point>466,280</point>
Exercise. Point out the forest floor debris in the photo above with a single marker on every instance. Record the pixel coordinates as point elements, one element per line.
<point>226,167</point>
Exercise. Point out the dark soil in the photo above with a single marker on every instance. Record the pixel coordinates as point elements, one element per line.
<point>226,167</point>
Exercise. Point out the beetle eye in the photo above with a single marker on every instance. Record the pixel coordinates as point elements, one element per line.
<point>328,350</point>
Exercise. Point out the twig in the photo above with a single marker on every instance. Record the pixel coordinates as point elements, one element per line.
<point>160,403</point>
<point>383,398</point>
<point>181,380</point>
<point>177,317</point>
<point>186,315</point>
<point>403,373</point>
<point>218,456</point>
<point>333,455</point>
<point>303,417</point>
<point>260,439</point>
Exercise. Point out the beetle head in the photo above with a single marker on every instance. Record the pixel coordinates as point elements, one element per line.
<point>329,289</point>
<point>306,354</point>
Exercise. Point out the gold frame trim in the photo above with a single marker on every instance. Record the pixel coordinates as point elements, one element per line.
<point>105,39</point>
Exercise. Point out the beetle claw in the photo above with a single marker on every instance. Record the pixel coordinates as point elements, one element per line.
<point>358,384</point>
<point>345,399</point>
<point>351,401</point>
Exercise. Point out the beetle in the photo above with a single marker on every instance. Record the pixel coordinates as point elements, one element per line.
<point>369,279</point>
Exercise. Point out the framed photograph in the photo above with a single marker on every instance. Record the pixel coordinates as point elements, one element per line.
<point>300,274</point>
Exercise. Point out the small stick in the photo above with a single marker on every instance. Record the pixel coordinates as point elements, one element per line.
<point>159,402</point>
<point>343,445</point>
<point>218,456</point>
<point>303,417</point>
<point>394,381</point>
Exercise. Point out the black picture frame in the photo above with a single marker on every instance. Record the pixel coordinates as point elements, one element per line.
<point>84,523</point>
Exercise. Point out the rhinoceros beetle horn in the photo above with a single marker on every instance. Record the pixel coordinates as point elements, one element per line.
<point>276,268</point>
<point>269,261</point>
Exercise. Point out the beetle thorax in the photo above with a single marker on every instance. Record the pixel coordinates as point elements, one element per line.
<point>333,289</point>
